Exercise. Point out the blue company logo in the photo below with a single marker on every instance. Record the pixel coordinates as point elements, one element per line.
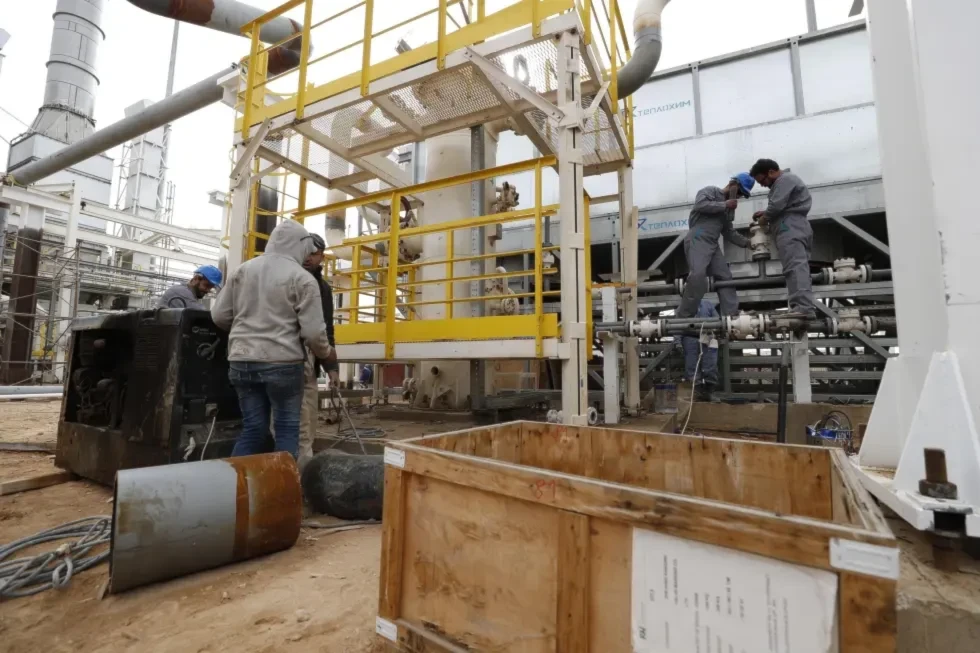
<point>663,108</point>
<point>645,224</point>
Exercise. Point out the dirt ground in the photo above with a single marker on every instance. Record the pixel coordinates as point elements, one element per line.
<point>321,595</point>
<point>32,421</point>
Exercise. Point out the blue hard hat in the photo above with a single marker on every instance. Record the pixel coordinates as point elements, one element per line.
<point>745,183</point>
<point>211,273</point>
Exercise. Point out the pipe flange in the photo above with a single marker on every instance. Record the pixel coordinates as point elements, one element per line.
<point>679,284</point>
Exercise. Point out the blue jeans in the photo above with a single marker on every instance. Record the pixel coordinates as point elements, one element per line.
<point>708,370</point>
<point>265,387</point>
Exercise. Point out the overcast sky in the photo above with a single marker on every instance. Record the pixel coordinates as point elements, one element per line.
<point>133,63</point>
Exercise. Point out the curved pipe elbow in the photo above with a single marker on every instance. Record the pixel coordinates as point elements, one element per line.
<point>641,65</point>
<point>648,44</point>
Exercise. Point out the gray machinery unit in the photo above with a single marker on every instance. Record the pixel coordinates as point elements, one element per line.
<point>146,388</point>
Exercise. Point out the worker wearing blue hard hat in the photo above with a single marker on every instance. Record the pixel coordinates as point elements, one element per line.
<point>189,295</point>
<point>711,219</point>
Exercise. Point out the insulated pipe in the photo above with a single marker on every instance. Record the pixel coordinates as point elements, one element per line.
<point>646,47</point>
<point>754,282</point>
<point>189,100</point>
<point>227,16</point>
<point>13,390</point>
<point>174,520</point>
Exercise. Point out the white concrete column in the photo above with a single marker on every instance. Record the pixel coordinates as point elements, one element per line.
<point>927,95</point>
<point>574,366</point>
<point>237,220</point>
<point>610,359</point>
<point>629,245</point>
<point>65,309</point>
<point>800,359</point>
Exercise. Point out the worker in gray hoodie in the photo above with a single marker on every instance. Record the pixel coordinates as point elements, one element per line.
<point>271,307</point>
<point>786,217</point>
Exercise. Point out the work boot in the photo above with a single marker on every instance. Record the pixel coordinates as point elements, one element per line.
<point>702,392</point>
<point>709,390</point>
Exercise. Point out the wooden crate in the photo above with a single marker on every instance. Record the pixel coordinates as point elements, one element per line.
<point>537,537</point>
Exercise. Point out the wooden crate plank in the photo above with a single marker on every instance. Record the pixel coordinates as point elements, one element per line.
<point>480,569</point>
<point>868,620</point>
<point>506,445</point>
<point>851,493</point>
<point>34,482</point>
<point>611,557</point>
<point>789,538</point>
<point>392,543</point>
<point>573,583</point>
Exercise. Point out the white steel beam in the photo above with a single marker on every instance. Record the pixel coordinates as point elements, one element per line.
<point>519,89</point>
<point>398,114</point>
<point>101,212</point>
<point>237,219</point>
<point>381,167</point>
<point>522,121</point>
<point>131,246</point>
<point>629,247</point>
<point>574,367</point>
<point>610,358</point>
<point>243,165</point>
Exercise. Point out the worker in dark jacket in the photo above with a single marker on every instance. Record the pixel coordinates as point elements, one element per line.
<point>786,217</point>
<point>311,390</point>
<point>711,218</point>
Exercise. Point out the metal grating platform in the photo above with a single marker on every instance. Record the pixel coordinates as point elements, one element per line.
<point>423,102</point>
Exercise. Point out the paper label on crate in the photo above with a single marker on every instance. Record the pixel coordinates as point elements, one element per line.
<point>395,457</point>
<point>386,629</point>
<point>690,597</point>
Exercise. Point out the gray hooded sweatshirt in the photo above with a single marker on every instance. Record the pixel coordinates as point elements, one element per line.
<point>270,304</point>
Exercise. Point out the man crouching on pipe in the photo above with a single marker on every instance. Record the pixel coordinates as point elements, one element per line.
<point>711,218</point>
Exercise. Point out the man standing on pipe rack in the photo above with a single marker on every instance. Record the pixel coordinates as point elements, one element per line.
<point>270,306</point>
<point>711,218</point>
<point>312,366</point>
<point>786,216</point>
<point>701,357</point>
<point>190,294</point>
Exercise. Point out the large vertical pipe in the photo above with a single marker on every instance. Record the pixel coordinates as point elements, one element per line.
<point>72,79</point>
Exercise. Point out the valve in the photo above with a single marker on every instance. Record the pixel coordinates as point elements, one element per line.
<point>759,243</point>
<point>846,270</point>
<point>646,328</point>
<point>740,327</point>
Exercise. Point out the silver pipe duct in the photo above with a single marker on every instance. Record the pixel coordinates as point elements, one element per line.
<point>173,520</point>
<point>72,80</point>
<point>646,47</point>
<point>189,100</point>
<point>225,16</point>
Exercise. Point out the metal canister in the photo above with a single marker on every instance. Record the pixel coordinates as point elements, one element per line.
<point>173,520</point>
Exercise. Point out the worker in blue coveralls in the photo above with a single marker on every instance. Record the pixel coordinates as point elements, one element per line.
<point>786,216</point>
<point>711,218</point>
<point>703,375</point>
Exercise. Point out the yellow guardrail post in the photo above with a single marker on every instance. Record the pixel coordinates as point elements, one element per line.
<point>481,9</point>
<point>535,20</point>
<point>538,265</point>
<point>587,19</point>
<point>441,47</point>
<point>391,290</point>
<point>355,284</point>
<point>613,50</point>
<point>252,212</point>
<point>450,253</point>
<point>304,58</point>
<point>366,46</point>
<point>250,81</point>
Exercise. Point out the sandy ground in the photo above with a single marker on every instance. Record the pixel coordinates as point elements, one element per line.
<point>33,421</point>
<point>321,595</point>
